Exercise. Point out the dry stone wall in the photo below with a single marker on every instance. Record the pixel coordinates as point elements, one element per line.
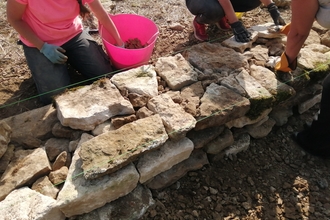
<point>106,145</point>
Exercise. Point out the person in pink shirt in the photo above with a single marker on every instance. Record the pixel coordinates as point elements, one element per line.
<point>53,37</point>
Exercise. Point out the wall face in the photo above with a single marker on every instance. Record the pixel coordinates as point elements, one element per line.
<point>157,123</point>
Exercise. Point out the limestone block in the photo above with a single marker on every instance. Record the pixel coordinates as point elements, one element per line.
<point>163,158</point>
<point>176,71</point>
<point>132,79</point>
<point>5,134</point>
<point>23,169</point>
<point>26,204</point>
<point>86,107</point>
<point>36,123</point>
<point>115,149</point>
<point>79,195</point>
<point>177,122</point>
<point>214,57</point>
<point>220,105</point>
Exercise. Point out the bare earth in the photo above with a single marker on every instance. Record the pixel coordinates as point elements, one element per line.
<point>273,179</point>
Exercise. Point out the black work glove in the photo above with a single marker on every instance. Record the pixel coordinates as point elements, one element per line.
<point>240,32</point>
<point>274,12</point>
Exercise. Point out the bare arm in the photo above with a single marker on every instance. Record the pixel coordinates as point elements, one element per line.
<point>15,12</point>
<point>303,15</point>
<point>229,10</point>
<point>104,19</point>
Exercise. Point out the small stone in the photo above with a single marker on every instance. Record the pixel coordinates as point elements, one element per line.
<point>213,191</point>
<point>176,27</point>
<point>323,183</point>
<point>195,213</point>
<point>247,205</point>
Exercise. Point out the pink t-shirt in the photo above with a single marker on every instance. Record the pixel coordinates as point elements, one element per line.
<point>55,22</point>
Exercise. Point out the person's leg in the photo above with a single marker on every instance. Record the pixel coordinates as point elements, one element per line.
<point>50,79</point>
<point>315,139</point>
<point>206,11</point>
<point>210,11</point>
<point>244,6</point>
<point>324,115</point>
<point>87,57</point>
<point>321,123</point>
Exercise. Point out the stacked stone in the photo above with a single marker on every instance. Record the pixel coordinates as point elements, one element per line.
<point>111,142</point>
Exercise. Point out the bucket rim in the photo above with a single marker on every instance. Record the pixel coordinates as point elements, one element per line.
<point>129,14</point>
<point>123,48</point>
<point>136,15</point>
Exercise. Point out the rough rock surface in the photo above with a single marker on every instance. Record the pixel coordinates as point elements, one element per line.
<point>272,179</point>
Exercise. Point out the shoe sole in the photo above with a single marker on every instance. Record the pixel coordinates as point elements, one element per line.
<point>198,37</point>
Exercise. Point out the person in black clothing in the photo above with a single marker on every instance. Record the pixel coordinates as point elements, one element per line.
<point>315,138</point>
<point>222,13</point>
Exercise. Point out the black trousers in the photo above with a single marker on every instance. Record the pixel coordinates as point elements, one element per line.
<point>210,11</point>
<point>84,55</point>
<point>324,115</point>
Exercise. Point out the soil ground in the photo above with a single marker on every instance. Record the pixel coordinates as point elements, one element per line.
<point>273,179</point>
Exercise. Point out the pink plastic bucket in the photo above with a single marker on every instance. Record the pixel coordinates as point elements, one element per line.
<point>130,26</point>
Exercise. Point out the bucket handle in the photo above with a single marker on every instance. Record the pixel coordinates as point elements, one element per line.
<point>152,38</point>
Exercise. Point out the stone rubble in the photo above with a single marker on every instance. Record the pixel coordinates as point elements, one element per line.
<point>104,146</point>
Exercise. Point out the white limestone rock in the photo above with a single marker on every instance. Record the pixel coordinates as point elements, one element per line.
<point>89,106</point>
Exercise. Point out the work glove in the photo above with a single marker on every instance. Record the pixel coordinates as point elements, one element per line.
<point>274,12</point>
<point>284,66</point>
<point>240,32</point>
<point>54,53</point>
<point>285,29</point>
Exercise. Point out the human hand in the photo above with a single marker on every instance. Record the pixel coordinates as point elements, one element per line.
<point>275,14</point>
<point>240,32</point>
<point>54,53</point>
<point>121,46</point>
<point>284,66</point>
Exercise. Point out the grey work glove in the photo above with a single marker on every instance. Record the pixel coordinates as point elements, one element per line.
<point>240,32</point>
<point>275,14</point>
<point>54,53</point>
